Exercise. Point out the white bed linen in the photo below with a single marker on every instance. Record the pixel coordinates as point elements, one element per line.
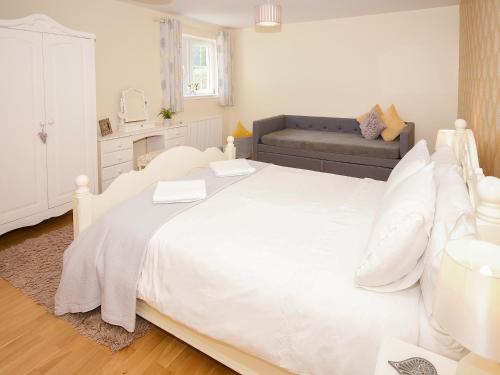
<point>267,265</point>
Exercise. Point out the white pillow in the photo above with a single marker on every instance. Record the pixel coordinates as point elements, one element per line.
<point>444,159</point>
<point>454,219</point>
<point>414,160</point>
<point>444,155</point>
<point>400,234</point>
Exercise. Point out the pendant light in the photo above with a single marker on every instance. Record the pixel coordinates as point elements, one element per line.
<point>268,14</point>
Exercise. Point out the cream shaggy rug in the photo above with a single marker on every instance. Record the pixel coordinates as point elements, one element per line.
<point>34,267</point>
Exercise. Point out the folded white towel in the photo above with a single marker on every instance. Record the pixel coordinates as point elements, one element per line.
<point>180,191</point>
<point>228,168</point>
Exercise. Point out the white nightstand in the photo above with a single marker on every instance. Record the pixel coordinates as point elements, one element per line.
<point>396,350</point>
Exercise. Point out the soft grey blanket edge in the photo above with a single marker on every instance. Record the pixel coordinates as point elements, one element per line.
<point>102,266</point>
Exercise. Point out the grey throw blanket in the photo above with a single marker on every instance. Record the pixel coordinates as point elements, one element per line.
<point>103,264</point>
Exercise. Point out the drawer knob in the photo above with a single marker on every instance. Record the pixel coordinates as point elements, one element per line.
<point>119,171</point>
<point>119,145</point>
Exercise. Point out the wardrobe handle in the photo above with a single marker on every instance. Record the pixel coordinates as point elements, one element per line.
<point>43,134</point>
<point>50,122</point>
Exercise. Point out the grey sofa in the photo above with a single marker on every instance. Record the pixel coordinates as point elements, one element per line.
<point>328,144</point>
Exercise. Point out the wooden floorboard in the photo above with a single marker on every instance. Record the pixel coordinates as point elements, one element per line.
<point>33,341</point>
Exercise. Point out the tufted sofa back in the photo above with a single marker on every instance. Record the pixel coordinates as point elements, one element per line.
<point>329,124</point>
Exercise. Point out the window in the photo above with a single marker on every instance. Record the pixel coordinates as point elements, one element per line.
<point>199,66</point>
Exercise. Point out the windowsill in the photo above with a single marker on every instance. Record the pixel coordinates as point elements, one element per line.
<point>198,97</point>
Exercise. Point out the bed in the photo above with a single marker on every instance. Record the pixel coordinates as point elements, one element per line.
<point>230,276</point>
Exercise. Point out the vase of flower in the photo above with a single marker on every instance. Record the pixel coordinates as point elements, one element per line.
<point>166,114</point>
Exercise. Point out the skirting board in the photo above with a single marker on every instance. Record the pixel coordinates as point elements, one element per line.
<point>231,357</point>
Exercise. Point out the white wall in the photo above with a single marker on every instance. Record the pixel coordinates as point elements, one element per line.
<point>127,48</point>
<point>343,67</point>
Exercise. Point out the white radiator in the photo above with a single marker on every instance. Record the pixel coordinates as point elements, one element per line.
<point>205,133</point>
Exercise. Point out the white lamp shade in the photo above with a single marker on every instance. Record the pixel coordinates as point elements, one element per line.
<point>467,298</point>
<point>268,15</point>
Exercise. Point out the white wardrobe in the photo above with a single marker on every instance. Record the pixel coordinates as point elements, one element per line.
<point>47,118</point>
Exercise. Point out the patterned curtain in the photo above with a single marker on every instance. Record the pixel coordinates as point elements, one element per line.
<point>171,64</point>
<point>224,68</point>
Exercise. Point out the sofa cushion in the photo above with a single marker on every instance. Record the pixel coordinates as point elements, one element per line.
<point>363,117</point>
<point>394,124</point>
<point>340,143</point>
<point>372,126</point>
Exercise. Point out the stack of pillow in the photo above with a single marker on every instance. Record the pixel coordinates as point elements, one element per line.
<point>425,205</point>
<point>376,123</point>
<point>402,225</point>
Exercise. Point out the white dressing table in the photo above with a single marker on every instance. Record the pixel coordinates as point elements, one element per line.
<point>116,151</point>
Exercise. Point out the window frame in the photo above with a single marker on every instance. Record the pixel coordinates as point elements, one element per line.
<point>187,67</point>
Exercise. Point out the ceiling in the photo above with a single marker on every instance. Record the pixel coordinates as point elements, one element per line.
<point>240,13</point>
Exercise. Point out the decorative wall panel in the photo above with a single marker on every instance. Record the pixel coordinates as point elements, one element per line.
<point>479,82</point>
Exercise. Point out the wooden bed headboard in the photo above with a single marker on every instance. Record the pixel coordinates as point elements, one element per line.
<point>484,191</point>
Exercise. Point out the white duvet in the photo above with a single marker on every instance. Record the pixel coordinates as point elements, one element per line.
<point>267,265</point>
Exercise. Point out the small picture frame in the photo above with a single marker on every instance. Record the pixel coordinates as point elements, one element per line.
<point>105,126</point>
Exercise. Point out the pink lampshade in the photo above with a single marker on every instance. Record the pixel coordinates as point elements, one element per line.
<point>268,15</point>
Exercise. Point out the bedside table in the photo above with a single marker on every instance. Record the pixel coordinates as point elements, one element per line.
<point>396,350</point>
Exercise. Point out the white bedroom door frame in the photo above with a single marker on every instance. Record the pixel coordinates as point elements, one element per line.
<point>23,153</point>
<point>70,113</point>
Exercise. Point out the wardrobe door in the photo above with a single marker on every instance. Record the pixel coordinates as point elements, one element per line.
<point>23,185</point>
<point>70,106</point>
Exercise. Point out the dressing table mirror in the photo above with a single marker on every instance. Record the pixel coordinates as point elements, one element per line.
<point>134,111</point>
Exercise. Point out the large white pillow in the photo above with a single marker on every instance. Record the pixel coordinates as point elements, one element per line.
<point>454,219</point>
<point>400,234</point>
<point>444,159</point>
<point>414,160</point>
<point>444,156</point>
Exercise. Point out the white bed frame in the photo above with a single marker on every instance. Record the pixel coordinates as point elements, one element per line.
<point>179,161</point>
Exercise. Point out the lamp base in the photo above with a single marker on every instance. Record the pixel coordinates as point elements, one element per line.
<point>473,364</point>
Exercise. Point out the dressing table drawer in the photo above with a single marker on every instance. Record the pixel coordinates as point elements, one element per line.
<point>117,157</point>
<point>176,132</point>
<point>174,142</point>
<point>117,144</point>
<point>114,171</point>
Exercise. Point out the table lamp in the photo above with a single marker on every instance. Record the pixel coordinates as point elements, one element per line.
<point>467,303</point>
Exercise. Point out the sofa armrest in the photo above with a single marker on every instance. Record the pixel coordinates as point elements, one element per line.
<point>407,138</point>
<point>266,126</point>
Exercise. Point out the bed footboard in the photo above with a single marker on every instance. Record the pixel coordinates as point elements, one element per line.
<point>171,164</point>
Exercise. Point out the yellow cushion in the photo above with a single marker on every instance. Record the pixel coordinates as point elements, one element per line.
<point>394,124</point>
<point>362,118</point>
<point>241,131</point>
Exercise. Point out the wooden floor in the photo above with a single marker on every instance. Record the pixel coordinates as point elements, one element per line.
<point>33,341</point>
